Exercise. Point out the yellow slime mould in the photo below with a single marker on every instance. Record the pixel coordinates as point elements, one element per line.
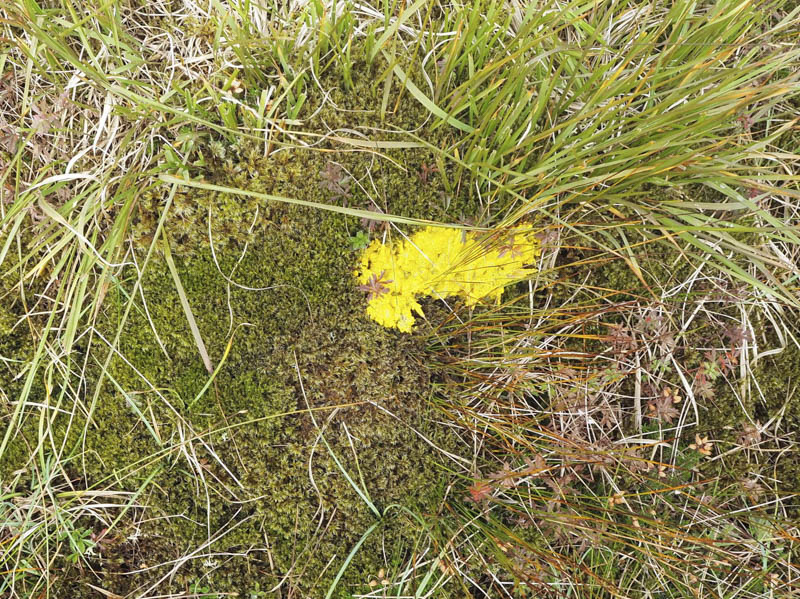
<point>441,262</point>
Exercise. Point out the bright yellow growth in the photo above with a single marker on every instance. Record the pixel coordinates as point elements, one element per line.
<point>441,262</point>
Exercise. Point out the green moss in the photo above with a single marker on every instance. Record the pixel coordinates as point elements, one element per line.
<point>18,338</point>
<point>396,181</point>
<point>310,323</point>
<point>771,398</point>
<point>15,347</point>
<point>280,503</point>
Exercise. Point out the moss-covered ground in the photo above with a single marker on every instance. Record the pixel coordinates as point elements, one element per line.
<point>312,399</point>
<point>244,462</point>
<point>311,462</point>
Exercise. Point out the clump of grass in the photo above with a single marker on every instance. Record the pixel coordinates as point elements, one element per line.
<point>595,479</point>
<point>49,525</point>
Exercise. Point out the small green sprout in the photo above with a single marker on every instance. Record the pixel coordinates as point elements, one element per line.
<point>359,241</point>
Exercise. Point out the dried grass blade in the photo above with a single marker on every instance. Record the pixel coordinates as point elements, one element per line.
<point>198,339</point>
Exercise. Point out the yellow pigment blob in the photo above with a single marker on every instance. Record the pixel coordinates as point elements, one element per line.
<point>441,262</point>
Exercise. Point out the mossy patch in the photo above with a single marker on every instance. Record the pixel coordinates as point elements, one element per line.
<point>16,346</point>
<point>272,483</point>
<point>309,326</point>
<point>368,390</point>
<point>759,464</point>
<point>242,473</point>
